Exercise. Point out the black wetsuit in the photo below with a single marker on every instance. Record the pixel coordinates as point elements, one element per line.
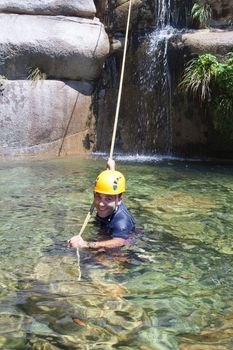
<point>120,224</point>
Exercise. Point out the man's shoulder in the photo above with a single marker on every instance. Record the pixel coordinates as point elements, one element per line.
<point>122,210</point>
<point>122,215</point>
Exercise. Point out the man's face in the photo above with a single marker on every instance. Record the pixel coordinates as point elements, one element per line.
<point>105,204</point>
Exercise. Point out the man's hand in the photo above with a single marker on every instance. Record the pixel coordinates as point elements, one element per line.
<point>111,164</point>
<point>77,242</point>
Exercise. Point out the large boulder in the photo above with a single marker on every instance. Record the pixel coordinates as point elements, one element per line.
<point>45,118</point>
<point>62,47</point>
<point>200,42</point>
<point>80,8</point>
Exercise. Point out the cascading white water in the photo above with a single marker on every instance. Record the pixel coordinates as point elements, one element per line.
<point>154,75</point>
<point>163,13</point>
<point>145,125</point>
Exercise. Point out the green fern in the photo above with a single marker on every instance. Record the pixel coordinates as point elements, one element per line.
<point>197,76</point>
<point>202,12</point>
<point>212,82</point>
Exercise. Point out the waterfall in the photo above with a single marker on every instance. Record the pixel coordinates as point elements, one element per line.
<point>144,125</point>
<point>154,79</point>
<point>163,13</point>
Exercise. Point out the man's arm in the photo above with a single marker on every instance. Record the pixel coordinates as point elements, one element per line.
<point>78,242</point>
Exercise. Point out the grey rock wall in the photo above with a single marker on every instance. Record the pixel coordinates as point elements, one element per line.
<point>64,41</point>
<point>222,10</point>
<point>45,118</point>
<point>80,8</point>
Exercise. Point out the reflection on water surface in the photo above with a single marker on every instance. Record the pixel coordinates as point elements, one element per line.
<point>171,290</point>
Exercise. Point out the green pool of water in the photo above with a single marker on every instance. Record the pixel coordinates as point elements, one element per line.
<point>171,290</point>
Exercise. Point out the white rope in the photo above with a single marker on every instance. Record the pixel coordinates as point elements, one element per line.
<point>120,84</point>
<point>80,234</point>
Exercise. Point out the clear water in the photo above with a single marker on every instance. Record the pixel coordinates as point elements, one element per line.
<point>172,290</point>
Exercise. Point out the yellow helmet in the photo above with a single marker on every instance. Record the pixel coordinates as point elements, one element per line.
<point>110,182</point>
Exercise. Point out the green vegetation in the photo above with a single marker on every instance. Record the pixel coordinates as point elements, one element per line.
<point>36,74</point>
<point>197,76</point>
<point>2,84</point>
<point>2,79</point>
<point>202,12</point>
<point>212,82</point>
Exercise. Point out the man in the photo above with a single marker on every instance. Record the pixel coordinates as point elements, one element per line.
<point>112,214</point>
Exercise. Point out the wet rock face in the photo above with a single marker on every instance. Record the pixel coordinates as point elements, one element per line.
<point>143,126</point>
<point>147,14</point>
<point>151,120</point>
<point>222,10</point>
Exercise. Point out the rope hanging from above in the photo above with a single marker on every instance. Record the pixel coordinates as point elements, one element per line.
<point>121,83</point>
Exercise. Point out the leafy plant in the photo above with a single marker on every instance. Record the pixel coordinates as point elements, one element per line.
<point>202,12</point>
<point>198,74</point>
<point>229,60</point>
<point>212,82</point>
<point>36,74</point>
<point>222,98</point>
<point>2,84</point>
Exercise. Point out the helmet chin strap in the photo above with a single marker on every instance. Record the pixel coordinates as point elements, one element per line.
<point>116,201</point>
